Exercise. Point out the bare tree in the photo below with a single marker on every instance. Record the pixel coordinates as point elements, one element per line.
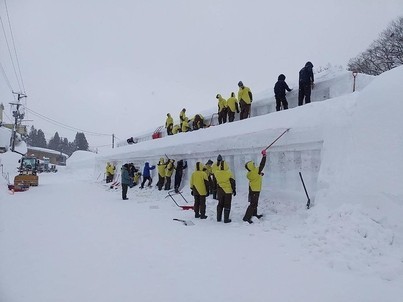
<point>383,54</point>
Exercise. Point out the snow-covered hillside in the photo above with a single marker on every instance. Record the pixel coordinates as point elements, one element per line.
<point>71,239</point>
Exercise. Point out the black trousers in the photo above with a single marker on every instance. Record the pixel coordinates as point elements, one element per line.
<point>169,129</point>
<point>245,110</point>
<point>253,203</point>
<point>222,116</point>
<point>304,92</point>
<point>231,116</point>
<point>200,205</point>
<point>150,180</point>
<point>124,191</point>
<point>281,101</point>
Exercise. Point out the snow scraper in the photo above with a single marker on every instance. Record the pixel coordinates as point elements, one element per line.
<point>277,138</point>
<point>185,207</point>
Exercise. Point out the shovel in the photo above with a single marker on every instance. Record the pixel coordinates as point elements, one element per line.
<point>185,222</point>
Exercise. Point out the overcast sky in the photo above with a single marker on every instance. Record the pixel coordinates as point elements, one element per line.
<point>119,66</point>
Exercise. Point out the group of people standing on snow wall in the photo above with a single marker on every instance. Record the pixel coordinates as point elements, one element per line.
<point>226,111</point>
<point>242,105</point>
<point>214,178</point>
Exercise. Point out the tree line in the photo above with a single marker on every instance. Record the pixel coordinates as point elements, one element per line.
<point>36,138</point>
<point>383,54</point>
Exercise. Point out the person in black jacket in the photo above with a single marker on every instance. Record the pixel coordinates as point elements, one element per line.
<point>178,174</point>
<point>279,93</point>
<point>306,83</point>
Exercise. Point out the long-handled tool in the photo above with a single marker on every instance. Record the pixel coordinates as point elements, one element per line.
<point>186,207</point>
<point>308,203</point>
<point>185,222</point>
<point>277,138</point>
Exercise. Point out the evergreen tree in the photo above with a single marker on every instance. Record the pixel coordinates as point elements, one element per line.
<point>55,142</point>
<point>32,136</point>
<point>40,140</point>
<point>81,142</point>
<point>71,148</point>
<point>64,146</point>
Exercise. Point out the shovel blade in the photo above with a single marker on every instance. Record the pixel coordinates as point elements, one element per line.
<point>185,222</point>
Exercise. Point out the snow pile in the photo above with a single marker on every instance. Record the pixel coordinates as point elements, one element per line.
<point>347,247</point>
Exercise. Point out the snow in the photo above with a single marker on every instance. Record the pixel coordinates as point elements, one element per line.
<point>72,239</point>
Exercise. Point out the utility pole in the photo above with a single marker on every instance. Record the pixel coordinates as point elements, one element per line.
<point>18,117</point>
<point>354,76</point>
<point>113,141</point>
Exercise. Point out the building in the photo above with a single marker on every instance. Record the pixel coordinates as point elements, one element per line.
<point>55,157</point>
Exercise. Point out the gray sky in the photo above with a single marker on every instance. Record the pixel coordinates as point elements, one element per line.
<point>119,66</point>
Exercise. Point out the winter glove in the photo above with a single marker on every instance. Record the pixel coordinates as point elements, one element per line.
<point>191,192</point>
<point>237,111</point>
<point>313,85</point>
<point>234,193</point>
<point>264,152</point>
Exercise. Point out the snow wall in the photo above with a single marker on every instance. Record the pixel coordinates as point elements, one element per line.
<point>326,141</point>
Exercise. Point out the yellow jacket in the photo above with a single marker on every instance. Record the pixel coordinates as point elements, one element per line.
<point>175,129</point>
<point>110,169</point>
<point>185,125</point>
<point>161,167</point>
<point>169,121</point>
<point>182,116</point>
<point>224,177</point>
<point>245,94</point>
<point>222,103</point>
<point>255,175</point>
<point>170,168</point>
<point>199,181</point>
<point>232,103</point>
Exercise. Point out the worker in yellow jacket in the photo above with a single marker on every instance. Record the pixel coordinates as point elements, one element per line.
<point>161,173</point>
<point>169,123</point>
<point>225,189</point>
<point>176,129</point>
<point>245,100</point>
<point>185,125</point>
<point>255,177</point>
<point>168,173</point>
<point>110,172</point>
<point>182,116</point>
<point>232,107</point>
<point>222,109</point>
<point>199,187</point>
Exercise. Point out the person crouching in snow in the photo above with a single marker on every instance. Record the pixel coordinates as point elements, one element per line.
<point>199,186</point>
<point>255,177</point>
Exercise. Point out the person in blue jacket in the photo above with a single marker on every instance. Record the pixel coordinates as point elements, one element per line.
<point>147,174</point>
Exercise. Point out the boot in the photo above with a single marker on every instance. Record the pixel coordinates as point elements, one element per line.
<point>246,220</point>
<point>226,216</point>
<point>203,217</point>
<point>256,214</point>
<point>197,215</point>
<point>219,213</point>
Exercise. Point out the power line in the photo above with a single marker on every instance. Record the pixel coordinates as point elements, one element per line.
<point>15,49</point>
<point>71,128</point>
<point>9,52</point>
<point>5,77</point>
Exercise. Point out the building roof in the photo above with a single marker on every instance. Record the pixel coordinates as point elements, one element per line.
<point>47,151</point>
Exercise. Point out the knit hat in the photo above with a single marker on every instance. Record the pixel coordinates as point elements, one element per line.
<point>240,84</point>
<point>209,162</point>
<point>219,157</point>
